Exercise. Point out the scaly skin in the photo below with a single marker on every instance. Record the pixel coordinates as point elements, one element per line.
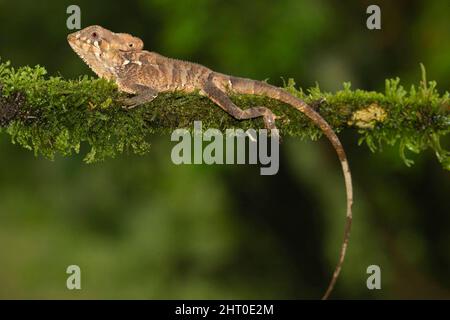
<point>121,58</point>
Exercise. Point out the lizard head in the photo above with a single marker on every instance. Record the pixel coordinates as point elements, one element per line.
<point>100,48</point>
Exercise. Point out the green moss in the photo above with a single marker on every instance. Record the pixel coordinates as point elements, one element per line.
<point>50,115</point>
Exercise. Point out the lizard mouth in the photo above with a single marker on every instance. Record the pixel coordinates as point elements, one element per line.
<point>90,52</point>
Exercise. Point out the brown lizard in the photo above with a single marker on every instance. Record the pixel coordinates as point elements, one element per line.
<point>121,58</point>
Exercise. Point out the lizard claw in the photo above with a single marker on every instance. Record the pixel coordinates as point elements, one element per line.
<point>128,103</point>
<point>133,102</point>
<point>316,103</point>
<point>129,107</point>
<point>269,122</point>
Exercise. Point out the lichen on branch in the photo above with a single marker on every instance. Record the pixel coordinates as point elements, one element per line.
<point>51,115</point>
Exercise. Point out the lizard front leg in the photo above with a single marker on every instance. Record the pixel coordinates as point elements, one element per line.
<point>222,100</point>
<point>143,94</point>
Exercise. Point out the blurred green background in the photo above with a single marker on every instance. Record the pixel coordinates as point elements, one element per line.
<point>141,227</point>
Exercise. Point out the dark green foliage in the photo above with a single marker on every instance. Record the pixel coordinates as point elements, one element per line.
<point>53,115</point>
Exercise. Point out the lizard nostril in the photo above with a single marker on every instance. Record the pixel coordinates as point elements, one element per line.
<point>73,37</point>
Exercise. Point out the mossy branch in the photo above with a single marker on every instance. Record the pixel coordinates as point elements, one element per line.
<point>50,115</point>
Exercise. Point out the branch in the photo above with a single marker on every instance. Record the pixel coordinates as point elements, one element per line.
<point>50,115</point>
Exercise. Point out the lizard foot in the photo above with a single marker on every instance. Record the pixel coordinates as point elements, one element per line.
<point>269,121</point>
<point>131,103</point>
<point>139,99</point>
<point>316,103</point>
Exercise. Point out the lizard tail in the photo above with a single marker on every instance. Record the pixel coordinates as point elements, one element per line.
<point>245,86</point>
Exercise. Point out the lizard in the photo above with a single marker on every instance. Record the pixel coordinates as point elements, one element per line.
<point>121,58</point>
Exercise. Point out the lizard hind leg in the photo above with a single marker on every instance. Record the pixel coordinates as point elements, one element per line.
<point>222,100</point>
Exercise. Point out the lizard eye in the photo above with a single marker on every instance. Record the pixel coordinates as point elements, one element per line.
<point>94,34</point>
<point>130,45</point>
